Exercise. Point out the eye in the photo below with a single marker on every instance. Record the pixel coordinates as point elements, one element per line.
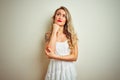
<point>58,14</point>
<point>64,15</point>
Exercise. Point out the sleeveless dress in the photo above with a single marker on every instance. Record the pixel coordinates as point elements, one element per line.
<point>58,69</point>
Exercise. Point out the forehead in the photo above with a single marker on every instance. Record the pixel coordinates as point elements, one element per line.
<point>61,11</point>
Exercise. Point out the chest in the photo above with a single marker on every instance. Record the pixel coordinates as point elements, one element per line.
<point>62,48</point>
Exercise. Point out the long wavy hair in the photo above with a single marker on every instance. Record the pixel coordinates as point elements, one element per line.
<point>68,28</point>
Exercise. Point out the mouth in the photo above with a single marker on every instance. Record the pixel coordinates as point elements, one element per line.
<point>59,21</point>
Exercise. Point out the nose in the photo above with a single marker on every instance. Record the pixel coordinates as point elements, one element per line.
<point>60,16</point>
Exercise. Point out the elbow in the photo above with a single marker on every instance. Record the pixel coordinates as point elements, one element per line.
<point>52,48</point>
<point>74,58</point>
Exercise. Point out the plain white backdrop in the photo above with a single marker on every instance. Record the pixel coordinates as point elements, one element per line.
<point>23,24</point>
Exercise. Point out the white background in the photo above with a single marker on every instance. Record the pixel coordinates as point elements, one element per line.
<point>23,24</point>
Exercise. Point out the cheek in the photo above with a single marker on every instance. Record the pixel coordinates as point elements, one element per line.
<point>64,20</point>
<point>56,18</point>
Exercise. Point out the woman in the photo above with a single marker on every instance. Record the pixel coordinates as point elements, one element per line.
<point>61,47</point>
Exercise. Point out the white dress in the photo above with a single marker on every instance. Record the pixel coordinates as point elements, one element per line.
<point>61,70</point>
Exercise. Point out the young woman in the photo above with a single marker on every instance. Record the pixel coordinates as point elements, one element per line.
<point>61,47</point>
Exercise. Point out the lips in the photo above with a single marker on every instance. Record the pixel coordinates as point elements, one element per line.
<point>59,21</point>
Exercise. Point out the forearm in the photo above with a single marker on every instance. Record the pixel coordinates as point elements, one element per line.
<point>71,57</point>
<point>52,41</point>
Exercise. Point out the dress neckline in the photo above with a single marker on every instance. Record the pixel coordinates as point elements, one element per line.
<point>61,41</point>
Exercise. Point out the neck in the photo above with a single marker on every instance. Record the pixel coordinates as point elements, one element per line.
<point>60,31</point>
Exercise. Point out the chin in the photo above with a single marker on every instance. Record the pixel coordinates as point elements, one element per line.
<point>60,24</point>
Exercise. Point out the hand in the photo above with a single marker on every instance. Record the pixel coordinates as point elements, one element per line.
<point>55,27</point>
<point>50,53</point>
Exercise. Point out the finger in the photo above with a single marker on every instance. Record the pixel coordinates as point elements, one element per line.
<point>46,52</point>
<point>47,48</point>
<point>50,49</point>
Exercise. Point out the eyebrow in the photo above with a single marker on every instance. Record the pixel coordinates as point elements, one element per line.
<point>60,12</point>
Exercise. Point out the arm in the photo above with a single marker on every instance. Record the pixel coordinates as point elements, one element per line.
<point>72,57</point>
<point>52,41</point>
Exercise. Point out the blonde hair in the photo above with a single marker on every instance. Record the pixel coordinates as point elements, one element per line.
<point>68,29</point>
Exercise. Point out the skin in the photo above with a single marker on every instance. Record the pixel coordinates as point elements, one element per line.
<point>58,35</point>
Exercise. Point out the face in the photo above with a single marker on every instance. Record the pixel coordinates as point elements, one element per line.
<point>60,17</point>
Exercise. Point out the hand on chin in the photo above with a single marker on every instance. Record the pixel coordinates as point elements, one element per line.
<point>59,24</point>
